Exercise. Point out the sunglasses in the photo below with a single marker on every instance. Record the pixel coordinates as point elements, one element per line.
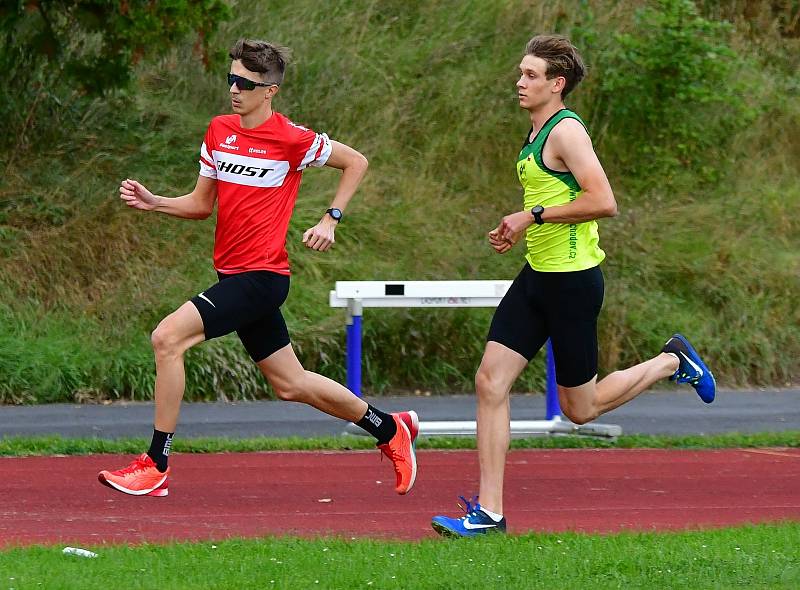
<point>244,83</point>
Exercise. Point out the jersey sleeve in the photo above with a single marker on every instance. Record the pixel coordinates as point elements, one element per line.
<point>310,148</point>
<point>207,166</point>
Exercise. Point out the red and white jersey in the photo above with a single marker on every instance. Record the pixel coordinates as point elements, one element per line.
<point>258,175</point>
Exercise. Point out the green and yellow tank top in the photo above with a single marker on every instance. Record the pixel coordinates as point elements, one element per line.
<point>555,247</point>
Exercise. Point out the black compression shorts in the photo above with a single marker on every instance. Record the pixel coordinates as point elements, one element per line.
<point>249,304</point>
<point>562,306</point>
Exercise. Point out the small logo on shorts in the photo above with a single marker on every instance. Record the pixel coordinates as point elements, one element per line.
<point>211,303</point>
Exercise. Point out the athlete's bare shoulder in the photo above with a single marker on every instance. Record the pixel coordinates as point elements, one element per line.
<point>569,128</point>
<point>568,134</point>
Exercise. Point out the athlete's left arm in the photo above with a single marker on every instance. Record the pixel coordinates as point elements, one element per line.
<point>573,147</point>
<point>353,166</point>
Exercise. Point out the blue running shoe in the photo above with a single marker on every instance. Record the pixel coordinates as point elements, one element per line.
<point>473,524</point>
<point>692,369</point>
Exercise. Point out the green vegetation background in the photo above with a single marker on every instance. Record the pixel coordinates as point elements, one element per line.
<point>693,108</point>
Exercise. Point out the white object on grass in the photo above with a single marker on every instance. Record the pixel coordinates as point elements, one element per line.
<point>78,551</point>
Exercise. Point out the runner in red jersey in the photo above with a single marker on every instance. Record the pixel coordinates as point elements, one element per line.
<point>251,163</point>
<point>258,175</point>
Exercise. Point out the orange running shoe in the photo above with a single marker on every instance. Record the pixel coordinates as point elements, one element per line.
<point>140,478</point>
<point>400,449</point>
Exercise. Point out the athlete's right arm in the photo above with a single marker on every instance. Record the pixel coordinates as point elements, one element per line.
<point>198,204</point>
<point>502,245</point>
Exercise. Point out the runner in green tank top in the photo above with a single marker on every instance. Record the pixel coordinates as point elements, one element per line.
<point>559,292</point>
<point>556,247</point>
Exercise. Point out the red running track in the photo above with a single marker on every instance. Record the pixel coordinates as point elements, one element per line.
<point>351,494</point>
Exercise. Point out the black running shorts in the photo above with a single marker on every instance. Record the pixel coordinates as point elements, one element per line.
<point>562,306</point>
<point>249,304</point>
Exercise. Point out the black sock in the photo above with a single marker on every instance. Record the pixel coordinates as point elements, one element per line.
<point>159,448</point>
<point>379,424</point>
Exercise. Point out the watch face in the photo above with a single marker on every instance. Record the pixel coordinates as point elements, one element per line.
<point>335,213</point>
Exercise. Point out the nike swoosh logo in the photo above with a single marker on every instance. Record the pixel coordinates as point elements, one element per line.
<point>469,526</point>
<point>688,360</point>
<point>211,303</point>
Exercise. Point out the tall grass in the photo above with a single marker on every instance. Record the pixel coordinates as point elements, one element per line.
<point>425,90</point>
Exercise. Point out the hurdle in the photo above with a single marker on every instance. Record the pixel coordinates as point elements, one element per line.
<point>354,296</point>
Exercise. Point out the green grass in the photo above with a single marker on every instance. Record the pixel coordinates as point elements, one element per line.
<point>425,90</point>
<point>763,556</point>
<point>17,446</point>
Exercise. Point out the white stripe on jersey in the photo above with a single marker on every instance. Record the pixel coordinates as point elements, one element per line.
<point>205,160</point>
<point>250,171</point>
<point>204,153</point>
<point>311,159</point>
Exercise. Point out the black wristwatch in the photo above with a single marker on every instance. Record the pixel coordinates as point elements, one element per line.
<point>537,214</point>
<point>335,213</point>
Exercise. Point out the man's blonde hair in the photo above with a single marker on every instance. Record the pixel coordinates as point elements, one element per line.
<point>562,59</point>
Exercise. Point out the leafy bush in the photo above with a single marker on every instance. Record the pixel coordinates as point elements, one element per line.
<point>670,93</point>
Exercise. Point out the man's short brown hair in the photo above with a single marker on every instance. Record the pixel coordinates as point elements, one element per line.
<point>266,58</point>
<point>562,59</point>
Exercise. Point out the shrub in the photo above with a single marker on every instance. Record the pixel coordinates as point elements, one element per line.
<point>669,94</point>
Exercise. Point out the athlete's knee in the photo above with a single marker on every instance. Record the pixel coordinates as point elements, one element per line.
<point>579,414</point>
<point>578,417</point>
<point>166,341</point>
<point>290,388</point>
<point>489,386</point>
